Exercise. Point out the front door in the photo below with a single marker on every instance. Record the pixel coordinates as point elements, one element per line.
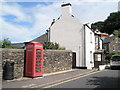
<point>73,59</point>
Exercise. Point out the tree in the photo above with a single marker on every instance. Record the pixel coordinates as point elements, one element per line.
<point>109,25</point>
<point>116,32</point>
<point>6,43</point>
<point>98,25</point>
<point>112,22</point>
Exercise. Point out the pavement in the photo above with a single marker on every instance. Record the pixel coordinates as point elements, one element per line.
<point>47,79</point>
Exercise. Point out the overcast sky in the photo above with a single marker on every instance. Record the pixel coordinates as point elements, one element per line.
<point>24,20</point>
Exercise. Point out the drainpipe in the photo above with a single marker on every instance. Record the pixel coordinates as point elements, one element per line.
<point>84,45</point>
<point>48,33</point>
<point>79,56</point>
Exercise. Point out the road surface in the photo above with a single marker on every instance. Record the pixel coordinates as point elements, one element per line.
<point>103,79</point>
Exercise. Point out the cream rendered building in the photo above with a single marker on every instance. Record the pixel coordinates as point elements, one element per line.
<point>72,34</point>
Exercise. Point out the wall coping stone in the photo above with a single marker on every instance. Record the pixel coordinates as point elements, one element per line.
<point>12,50</point>
<point>22,50</point>
<point>57,51</point>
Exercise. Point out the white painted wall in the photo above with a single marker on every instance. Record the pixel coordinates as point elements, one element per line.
<point>90,47</point>
<point>101,46</point>
<point>68,31</point>
<point>66,11</point>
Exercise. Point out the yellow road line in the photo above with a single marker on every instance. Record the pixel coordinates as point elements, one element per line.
<point>59,80</point>
<point>70,80</point>
<point>28,85</point>
<point>62,80</point>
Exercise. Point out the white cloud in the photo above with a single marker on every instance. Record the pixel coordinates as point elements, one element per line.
<point>41,17</point>
<point>14,9</point>
<point>15,32</point>
<point>100,0</point>
<point>92,12</point>
<point>59,0</point>
<point>1,29</point>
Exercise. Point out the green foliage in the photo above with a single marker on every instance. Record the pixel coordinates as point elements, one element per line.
<point>108,56</point>
<point>61,48</point>
<point>48,45</point>
<point>112,22</point>
<point>1,44</point>
<point>56,46</point>
<point>116,32</point>
<point>98,25</point>
<point>51,45</point>
<point>109,25</point>
<point>6,43</point>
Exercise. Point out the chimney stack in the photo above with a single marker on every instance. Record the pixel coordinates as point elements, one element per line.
<point>66,9</point>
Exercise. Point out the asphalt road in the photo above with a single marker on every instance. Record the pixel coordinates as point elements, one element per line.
<point>40,82</point>
<point>103,79</point>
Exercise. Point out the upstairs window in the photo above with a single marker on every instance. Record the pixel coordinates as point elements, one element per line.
<point>90,37</point>
<point>90,55</point>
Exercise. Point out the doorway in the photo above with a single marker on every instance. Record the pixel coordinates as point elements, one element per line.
<point>73,60</point>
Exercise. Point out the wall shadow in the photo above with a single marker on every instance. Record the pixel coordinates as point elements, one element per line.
<point>105,82</point>
<point>73,60</point>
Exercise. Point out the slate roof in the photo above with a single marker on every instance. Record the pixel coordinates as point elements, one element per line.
<point>108,40</point>
<point>41,39</point>
<point>18,45</point>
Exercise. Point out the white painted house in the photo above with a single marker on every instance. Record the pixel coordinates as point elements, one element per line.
<point>72,34</point>
<point>99,51</point>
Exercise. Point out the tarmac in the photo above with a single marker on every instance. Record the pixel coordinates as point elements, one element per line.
<point>46,79</point>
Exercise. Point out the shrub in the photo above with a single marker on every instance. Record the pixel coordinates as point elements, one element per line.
<point>108,56</point>
<point>51,45</point>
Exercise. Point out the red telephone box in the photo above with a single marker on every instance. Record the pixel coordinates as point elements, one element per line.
<point>34,59</point>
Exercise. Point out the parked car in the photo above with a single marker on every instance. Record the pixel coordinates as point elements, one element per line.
<point>115,61</point>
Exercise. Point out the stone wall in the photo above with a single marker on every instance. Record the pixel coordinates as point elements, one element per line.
<point>57,60</point>
<point>54,60</point>
<point>16,56</point>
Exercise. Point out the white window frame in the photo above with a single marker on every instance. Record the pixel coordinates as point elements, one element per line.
<point>113,47</point>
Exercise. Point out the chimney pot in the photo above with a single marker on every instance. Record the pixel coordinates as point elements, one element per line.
<point>67,4</point>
